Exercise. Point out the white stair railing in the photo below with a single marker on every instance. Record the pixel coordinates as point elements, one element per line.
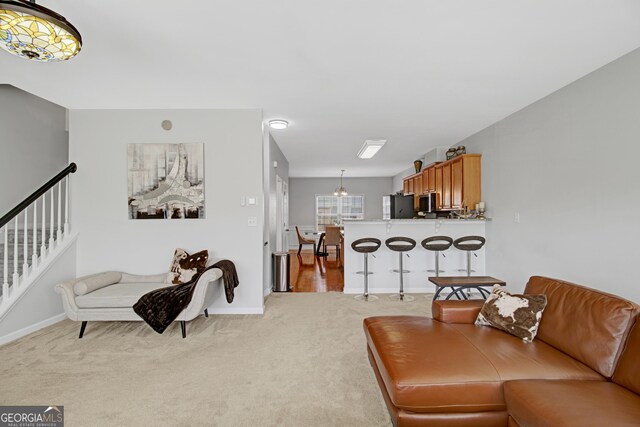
<point>19,247</point>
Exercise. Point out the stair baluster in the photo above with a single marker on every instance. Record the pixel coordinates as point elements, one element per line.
<point>59,233</point>
<point>66,205</point>
<point>43,248</point>
<point>5,265</point>
<point>53,221</point>
<point>34,234</point>
<point>25,244</point>
<point>16,255</point>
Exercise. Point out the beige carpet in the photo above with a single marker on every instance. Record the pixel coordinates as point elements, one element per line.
<point>303,363</point>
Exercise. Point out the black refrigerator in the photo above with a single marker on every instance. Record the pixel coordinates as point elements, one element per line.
<point>397,206</point>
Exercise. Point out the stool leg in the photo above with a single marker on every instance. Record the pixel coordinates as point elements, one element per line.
<point>437,263</point>
<point>468,263</point>
<point>366,276</point>
<point>401,278</point>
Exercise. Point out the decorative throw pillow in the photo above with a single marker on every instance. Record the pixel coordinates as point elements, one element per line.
<point>518,315</point>
<point>185,267</point>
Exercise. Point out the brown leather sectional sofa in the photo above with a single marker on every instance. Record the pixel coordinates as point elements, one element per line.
<point>583,368</point>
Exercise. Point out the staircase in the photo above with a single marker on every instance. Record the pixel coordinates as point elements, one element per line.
<point>31,235</point>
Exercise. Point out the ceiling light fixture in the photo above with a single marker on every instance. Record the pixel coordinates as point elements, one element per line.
<point>34,32</point>
<point>278,124</point>
<point>370,148</point>
<point>341,191</point>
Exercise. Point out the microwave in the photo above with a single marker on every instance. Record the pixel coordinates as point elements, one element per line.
<point>428,203</point>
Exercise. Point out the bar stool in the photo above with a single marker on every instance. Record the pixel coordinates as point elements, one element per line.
<point>366,246</point>
<point>401,245</point>
<point>437,244</point>
<point>469,244</point>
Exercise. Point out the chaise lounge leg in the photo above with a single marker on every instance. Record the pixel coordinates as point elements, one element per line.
<point>206,312</point>
<point>183,326</point>
<point>82,328</point>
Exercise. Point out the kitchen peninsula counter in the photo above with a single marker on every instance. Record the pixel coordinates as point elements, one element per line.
<point>384,280</point>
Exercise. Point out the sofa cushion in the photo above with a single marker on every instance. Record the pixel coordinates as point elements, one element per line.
<point>569,403</point>
<point>628,368</point>
<point>587,324</point>
<point>116,296</point>
<point>91,283</point>
<point>429,366</point>
<point>185,267</point>
<point>518,315</point>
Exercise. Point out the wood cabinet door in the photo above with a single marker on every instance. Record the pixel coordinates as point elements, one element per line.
<point>410,180</point>
<point>438,186</point>
<point>405,186</point>
<point>431,186</point>
<point>457,193</point>
<point>446,186</point>
<point>417,191</point>
<point>425,181</point>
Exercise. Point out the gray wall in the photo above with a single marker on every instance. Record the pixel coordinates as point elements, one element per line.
<point>303,191</point>
<point>33,142</point>
<point>272,153</point>
<point>568,166</point>
<point>398,179</point>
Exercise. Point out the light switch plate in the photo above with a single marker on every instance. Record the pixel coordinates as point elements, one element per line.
<point>251,201</point>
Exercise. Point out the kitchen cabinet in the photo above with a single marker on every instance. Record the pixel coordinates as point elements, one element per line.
<point>445,196</point>
<point>438,186</point>
<point>456,182</point>
<point>405,187</point>
<point>417,191</point>
<point>466,181</point>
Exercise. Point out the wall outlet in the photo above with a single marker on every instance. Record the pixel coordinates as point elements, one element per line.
<point>252,221</point>
<point>516,218</point>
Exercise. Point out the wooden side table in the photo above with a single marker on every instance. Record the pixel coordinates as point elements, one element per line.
<point>459,283</point>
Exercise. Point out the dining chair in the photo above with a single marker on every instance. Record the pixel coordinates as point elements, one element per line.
<point>333,238</point>
<point>304,241</point>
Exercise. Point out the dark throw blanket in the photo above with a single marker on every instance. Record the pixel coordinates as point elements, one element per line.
<point>160,307</point>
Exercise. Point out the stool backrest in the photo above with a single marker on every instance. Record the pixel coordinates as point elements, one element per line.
<point>400,244</point>
<point>469,243</point>
<point>437,243</point>
<point>366,245</point>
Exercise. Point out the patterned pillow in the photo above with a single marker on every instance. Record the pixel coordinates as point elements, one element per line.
<point>185,267</point>
<point>518,315</point>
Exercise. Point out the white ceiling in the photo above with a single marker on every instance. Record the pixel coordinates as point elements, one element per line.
<point>419,73</point>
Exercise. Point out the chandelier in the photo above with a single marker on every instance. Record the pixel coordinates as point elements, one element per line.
<point>34,32</point>
<point>341,191</point>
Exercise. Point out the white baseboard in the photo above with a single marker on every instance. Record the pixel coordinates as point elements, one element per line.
<point>33,328</point>
<point>266,292</point>
<point>236,310</point>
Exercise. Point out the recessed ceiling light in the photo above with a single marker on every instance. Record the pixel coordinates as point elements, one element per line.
<point>278,124</point>
<point>370,148</point>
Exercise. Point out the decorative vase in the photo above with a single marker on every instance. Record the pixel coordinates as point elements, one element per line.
<point>418,165</point>
<point>451,153</point>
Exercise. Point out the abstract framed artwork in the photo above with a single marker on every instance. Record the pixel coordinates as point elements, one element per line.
<point>166,181</point>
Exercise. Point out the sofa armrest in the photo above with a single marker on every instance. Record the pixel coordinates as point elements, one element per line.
<point>447,311</point>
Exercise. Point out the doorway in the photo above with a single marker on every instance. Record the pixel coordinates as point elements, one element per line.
<point>282,214</point>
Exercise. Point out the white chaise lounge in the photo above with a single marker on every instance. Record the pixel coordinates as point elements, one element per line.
<point>110,296</point>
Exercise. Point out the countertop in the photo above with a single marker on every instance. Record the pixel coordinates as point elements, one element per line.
<point>414,221</point>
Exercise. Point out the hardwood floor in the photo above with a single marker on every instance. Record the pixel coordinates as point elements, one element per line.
<point>310,273</point>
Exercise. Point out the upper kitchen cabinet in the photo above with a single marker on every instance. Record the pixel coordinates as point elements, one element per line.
<point>466,181</point>
<point>457,182</point>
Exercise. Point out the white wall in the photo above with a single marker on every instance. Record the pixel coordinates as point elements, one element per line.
<point>233,168</point>
<point>34,144</point>
<point>568,165</point>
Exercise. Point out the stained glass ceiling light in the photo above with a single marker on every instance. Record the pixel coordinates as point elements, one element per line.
<point>35,32</point>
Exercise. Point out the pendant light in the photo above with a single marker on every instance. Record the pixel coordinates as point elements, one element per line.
<point>34,32</point>
<point>341,191</point>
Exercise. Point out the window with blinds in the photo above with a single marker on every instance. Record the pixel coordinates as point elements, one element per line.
<point>333,210</point>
